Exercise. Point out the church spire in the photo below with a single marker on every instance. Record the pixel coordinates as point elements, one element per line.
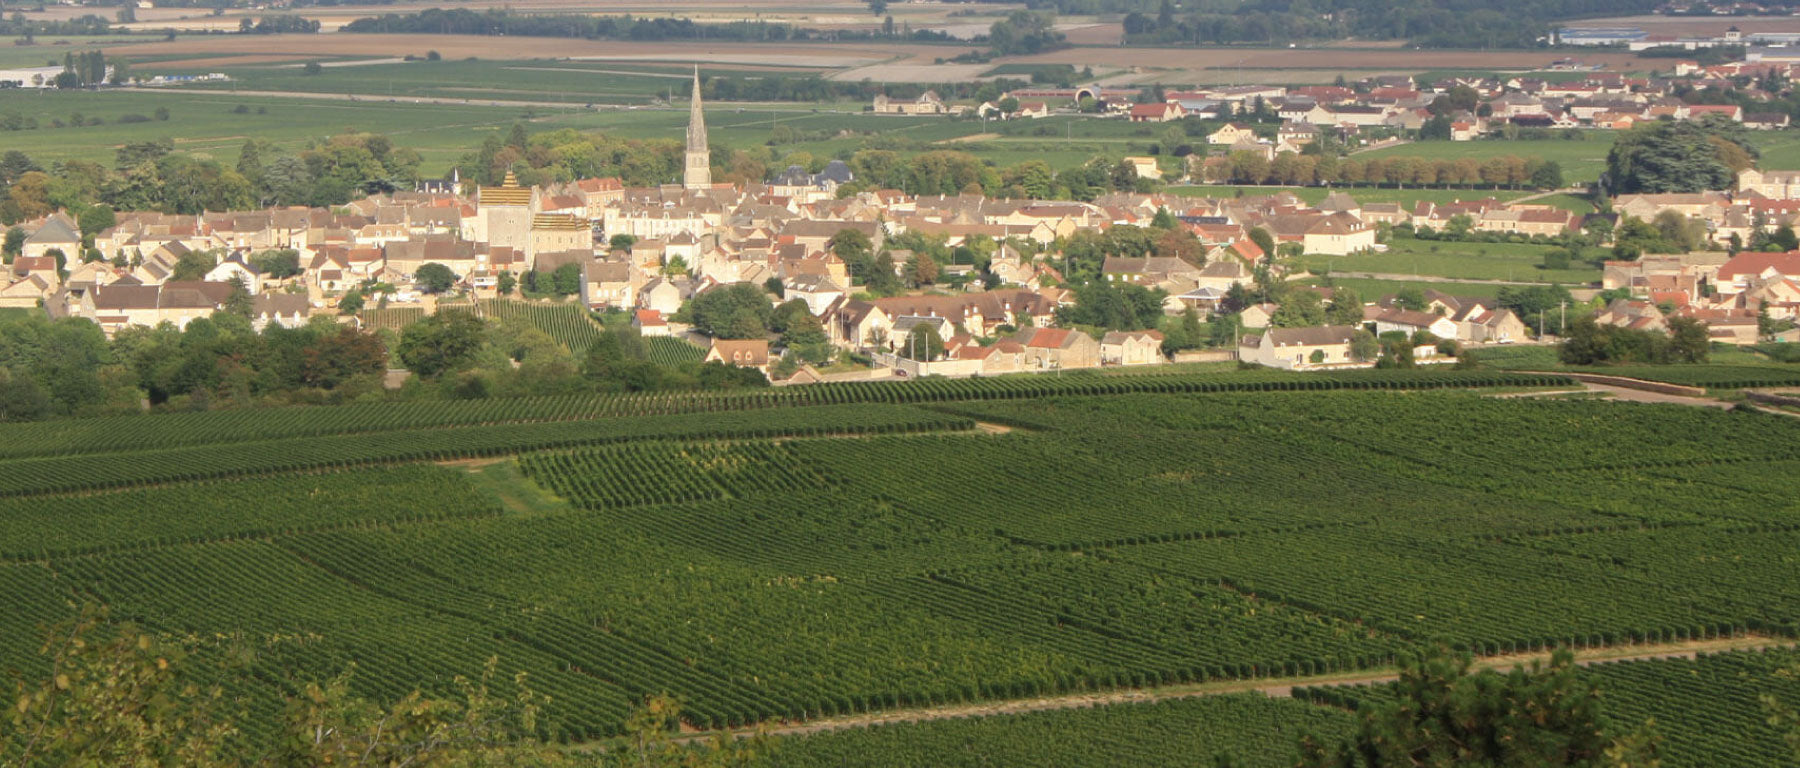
<point>698,174</point>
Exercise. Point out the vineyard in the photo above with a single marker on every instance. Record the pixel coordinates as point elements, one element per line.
<point>788,554</point>
<point>170,430</point>
<point>1259,732</point>
<point>672,352</point>
<point>391,318</point>
<point>1706,710</point>
<point>568,323</point>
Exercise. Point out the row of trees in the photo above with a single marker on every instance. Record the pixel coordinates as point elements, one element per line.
<point>150,175</point>
<point>1426,23</point>
<point>1510,171</point>
<point>460,21</point>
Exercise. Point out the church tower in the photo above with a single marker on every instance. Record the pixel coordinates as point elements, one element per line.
<point>699,162</point>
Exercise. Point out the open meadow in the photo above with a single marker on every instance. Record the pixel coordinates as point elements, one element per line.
<point>1511,262</point>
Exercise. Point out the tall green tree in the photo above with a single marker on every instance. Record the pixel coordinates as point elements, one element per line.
<point>1447,714</point>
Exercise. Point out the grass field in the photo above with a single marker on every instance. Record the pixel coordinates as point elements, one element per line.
<point>1581,161</point>
<point>750,561</point>
<point>1513,262</point>
<point>1314,195</point>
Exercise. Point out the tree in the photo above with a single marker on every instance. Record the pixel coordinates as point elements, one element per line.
<point>506,283</point>
<point>1411,299</point>
<point>922,344</point>
<point>194,265</point>
<point>279,263</point>
<point>621,242</point>
<point>112,695</point>
<point>13,244</point>
<point>1301,309</point>
<point>736,311</point>
<point>442,342</point>
<point>312,68</point>
<point>1364,346</point>
<point>1263,240</point>
<point>435,278</point>
<point>1446,714</point>
<point>921,269</point>
<point>1689,341</point>
<point>565,280</point>
<point>336,358</point>
<point>1678,156</point>
<point>1435,129</point>
<point>1346,308</point>
<point>1549,175</point>
<point>618,362</point>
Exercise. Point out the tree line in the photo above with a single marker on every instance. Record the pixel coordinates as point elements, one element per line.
<point>1425,23</point>
<point>461,21</point>
<point>1510,171</point>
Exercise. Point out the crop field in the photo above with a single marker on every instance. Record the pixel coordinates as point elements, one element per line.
<point>575,82</point>
<point>1513,262</point>
<point>787,563</point>
<point>211,123</point>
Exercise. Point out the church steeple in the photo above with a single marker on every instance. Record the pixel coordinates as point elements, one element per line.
<point>698,174</point>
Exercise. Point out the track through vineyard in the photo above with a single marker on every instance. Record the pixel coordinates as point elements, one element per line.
<point>1284,688</point>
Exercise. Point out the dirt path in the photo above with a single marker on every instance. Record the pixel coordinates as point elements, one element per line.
<point>1641,396</point>
<point>1271,687</point>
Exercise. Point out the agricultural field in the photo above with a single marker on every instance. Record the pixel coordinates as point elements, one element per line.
<point>1510,262</point>
<point>863,548</point>
<point>216,123</point>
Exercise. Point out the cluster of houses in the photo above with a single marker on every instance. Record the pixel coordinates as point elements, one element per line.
<point>1726,292</point>
<point>1396,103</point>
<point>688,238</point>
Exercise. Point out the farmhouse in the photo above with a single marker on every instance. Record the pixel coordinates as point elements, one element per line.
<point>743,353</point>
<point>1299,349</point>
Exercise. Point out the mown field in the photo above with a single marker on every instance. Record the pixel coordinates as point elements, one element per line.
<point>798,553</point>
<point>1581,161</point>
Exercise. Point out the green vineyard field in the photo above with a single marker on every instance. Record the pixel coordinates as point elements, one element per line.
<point>785,555</point>
<point>670,352</point>
<point>568,323</point>
<point>1706,710</point>
<point>159,431</point>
